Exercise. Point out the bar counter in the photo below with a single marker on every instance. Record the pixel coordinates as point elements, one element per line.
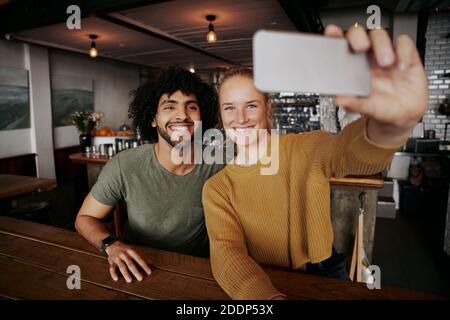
<point>373,182</point>
<point>34,261</point>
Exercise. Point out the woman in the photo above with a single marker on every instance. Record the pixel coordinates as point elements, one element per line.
<point>283,219</point>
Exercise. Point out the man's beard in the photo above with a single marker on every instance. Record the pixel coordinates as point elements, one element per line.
<point>179,144</point>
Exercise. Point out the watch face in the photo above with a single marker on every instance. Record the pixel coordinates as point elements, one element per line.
<point>107,241</point>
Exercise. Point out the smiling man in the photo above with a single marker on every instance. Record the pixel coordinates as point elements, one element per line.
<point>163,199</point>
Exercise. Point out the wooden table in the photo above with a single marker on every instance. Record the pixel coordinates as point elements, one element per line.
<point>34,259</point>
<point>14,185</point>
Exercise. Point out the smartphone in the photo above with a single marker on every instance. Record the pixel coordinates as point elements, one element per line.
<point>301,62</point>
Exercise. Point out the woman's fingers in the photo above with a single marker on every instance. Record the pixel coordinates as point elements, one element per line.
<point>353,104</point>
<point>332,30</point>
<point>406,51</point>
<point>378,40</point>
<point>382,47</point>
<point>358,38</point>
<point>140,261</point>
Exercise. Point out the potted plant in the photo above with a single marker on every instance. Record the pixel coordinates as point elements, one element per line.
<point>85,122</point>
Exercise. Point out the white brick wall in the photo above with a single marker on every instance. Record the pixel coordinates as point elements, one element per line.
<point>437,62</point>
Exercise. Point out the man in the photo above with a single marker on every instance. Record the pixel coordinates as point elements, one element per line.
<point>163,199</point>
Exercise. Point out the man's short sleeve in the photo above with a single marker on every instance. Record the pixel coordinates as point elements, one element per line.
<point>109,186</point>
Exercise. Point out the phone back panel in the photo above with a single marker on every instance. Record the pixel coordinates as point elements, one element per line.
<point>298,62</point>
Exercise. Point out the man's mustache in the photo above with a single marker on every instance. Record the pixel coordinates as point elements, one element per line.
<point>185,123</point>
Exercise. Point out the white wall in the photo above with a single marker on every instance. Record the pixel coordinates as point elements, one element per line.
<point>13,142</point>
<point>38,138</point>
<point>113,82</point>
<point>36,61</point>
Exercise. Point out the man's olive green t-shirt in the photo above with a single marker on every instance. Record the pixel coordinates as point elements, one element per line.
<point>164,210</point>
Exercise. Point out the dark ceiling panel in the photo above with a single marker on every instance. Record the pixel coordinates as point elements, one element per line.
<point>161,33</point>
<point>171,32</point>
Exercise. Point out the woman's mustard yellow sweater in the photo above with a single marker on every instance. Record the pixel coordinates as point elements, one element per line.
<point>282,219</point>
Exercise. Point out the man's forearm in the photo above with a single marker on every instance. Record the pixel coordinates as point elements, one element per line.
<point>386,136</point>
<point>92,229</point>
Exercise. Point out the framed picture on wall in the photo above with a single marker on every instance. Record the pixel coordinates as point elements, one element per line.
<point>14,99</point>
<point>70,94</point>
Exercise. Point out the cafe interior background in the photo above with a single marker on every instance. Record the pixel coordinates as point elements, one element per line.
<point>48,71</point>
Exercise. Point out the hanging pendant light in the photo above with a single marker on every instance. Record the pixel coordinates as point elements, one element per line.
<point>93,52</point>
<point>211,36</point>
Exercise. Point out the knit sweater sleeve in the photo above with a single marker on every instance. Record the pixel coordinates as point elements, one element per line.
<point>237,273</point>
<point>350,152</point>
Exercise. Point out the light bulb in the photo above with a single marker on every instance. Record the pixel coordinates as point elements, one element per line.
<point>93,52</point>
<point>211,37</point>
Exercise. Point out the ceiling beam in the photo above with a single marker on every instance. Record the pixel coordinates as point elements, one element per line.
<point>52,45</point>
<point>48,44</point>
<point>138,26</point>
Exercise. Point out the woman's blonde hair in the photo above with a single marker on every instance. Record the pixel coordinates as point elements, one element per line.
<point>245,72</point>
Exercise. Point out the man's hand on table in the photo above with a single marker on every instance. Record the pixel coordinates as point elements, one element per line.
<point>399,89</point>
<point>126,259</point>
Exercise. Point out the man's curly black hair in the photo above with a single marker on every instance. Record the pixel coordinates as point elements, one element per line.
<point>144,106</point>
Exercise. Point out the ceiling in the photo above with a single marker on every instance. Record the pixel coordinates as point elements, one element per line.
<point>122,34</point>
<point>163,33</point>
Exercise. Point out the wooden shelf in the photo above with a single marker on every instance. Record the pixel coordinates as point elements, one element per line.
<point>80,158</point>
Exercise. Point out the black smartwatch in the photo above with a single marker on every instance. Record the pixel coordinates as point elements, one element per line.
<point>109,240</point>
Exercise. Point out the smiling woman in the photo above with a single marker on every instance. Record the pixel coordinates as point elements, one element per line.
<point>244,110</point>
<point>247,226</point>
